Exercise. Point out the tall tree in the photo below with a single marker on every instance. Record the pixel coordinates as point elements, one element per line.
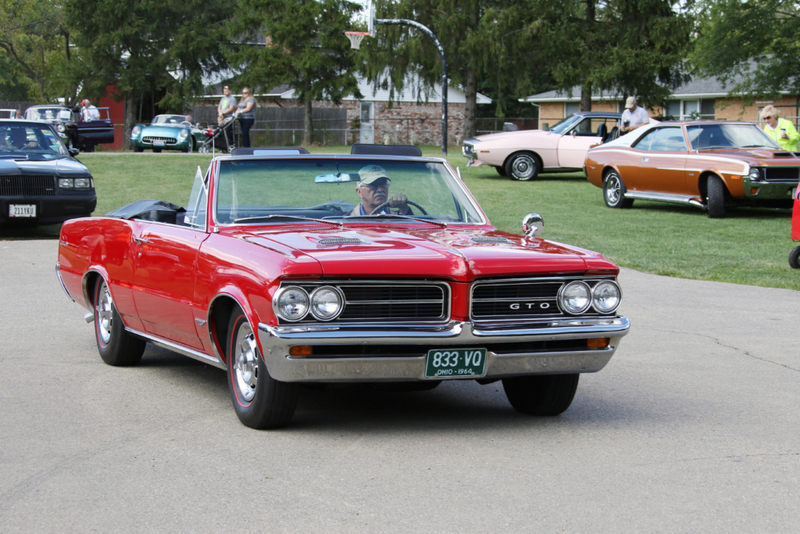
<point>470,32</point>
<point>297,42</point>
<point>148,47</point>
<point>751,46</point>
<point>634,47</point>
<point>35,40</point>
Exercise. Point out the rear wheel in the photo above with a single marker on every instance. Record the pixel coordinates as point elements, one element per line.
<point>794,258</point>
<point>259,400</point>
<point>116,346</point>
<point>716,198</point>
<point>541,394</point>
<point>523,166</point>
<point>614,191</point>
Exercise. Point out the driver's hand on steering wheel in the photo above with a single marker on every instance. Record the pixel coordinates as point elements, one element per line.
<point>398,201</point>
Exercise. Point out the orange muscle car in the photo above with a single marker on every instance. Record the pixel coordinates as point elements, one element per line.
<point>713,165</point>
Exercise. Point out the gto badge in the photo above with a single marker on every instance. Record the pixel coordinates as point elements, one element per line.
<point>530,305</point>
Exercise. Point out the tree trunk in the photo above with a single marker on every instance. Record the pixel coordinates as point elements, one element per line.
<point>586,97</point>
<point>129,121</point>
<point>471,107</point>
<point>308,124</point>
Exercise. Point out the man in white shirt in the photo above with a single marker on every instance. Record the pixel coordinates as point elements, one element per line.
<point>88,111</point>
<point>634,116</point>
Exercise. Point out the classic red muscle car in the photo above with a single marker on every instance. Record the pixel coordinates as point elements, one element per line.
<point>713,165</point>
<point>277,274</point>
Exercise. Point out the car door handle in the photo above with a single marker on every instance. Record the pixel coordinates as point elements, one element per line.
<point>141,240</point>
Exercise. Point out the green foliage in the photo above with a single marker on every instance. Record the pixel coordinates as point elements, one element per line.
<point>633,47</point>
<point>296,42</point>
<point>34,42</point>
<point>148,46</point>
<point>751,46</point>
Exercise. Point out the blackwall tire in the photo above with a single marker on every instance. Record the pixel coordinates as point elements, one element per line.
<point>794,258</point>
<point>116,346</point>
<point>716,198</point>
<point>259,400</point>
<point>544,395</point>
<point>522,166</point>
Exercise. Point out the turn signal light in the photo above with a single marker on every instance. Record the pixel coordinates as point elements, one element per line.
<point>754,191</point>
<point>597,343</point>
<point>301,350</point>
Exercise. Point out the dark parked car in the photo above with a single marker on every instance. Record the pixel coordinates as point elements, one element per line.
<point>83,135</point>
<point>40,181</point>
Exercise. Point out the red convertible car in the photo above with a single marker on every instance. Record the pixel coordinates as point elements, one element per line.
<point>287,268</point>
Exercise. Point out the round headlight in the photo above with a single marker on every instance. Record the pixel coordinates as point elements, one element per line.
<point>575,298</point>
<point>326,303</point>
<point>606,296</point>
<point>184,134</point>
<point>60,127</point>
<point>755,174</point>
<point>136,131</point>
<point>291,303</point>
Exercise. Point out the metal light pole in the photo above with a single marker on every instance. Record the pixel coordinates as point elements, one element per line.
<point>429,33</point>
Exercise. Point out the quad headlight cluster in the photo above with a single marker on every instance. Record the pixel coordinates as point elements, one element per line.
<point>577,297</point>
<point>293,303</point>
<point>75,183</point>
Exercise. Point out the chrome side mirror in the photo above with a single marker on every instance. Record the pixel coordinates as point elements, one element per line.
<point>532,225</point>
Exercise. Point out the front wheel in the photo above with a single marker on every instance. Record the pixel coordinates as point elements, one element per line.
<point>116,346</point>
<point>541,394</point>
<point>716,198</point>
<point>794,258</point>
<point>138,148</point>
<point>259,400</point>
<point>614,191</point>
<point>523,166</point>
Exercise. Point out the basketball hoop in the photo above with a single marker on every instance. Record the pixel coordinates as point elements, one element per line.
<point>355,38</point>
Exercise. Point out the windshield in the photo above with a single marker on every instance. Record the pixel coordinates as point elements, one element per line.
<point>25,140</point>
<point>566,124</point>
<point>250,191</point>
<point>708,136</point>
<point>44,114</point>
<point>169,119</point>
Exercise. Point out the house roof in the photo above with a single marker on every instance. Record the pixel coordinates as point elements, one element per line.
<point>697,88</point>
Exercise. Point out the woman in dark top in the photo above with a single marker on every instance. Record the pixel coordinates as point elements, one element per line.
<point>246,112</point>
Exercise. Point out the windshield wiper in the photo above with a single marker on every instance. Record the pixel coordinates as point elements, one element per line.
<point>755,146</point>
<point>397,216</point>
<point>290,217</point>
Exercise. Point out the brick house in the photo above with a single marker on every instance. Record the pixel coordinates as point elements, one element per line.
<point>703,98</point>
<point>373,119</point>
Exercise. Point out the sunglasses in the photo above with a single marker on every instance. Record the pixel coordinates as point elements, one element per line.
<point>768,118</point>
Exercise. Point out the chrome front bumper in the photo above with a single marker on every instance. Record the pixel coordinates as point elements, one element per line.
<point>276,341</point>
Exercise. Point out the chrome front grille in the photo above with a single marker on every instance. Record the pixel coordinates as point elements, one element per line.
<point>387,302</point>
<point>782,174</point>
<point>167,140</point>
<point>515,299</point>
<point>27,185</point>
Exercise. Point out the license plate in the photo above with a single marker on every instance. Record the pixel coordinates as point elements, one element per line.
<point>22,210</point>
<point>158,143</point>
<point>454,363</point>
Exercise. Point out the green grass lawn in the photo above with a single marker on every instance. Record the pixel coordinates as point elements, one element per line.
<point>751,246</point>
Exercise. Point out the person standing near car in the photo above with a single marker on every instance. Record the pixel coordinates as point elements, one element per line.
<point>88,111</point>
<point>634,116</point>
<point>779,129</point>
<point>227,105</point>
<point>246,112</point>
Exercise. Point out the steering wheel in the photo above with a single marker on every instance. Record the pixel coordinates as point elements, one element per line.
<point>186,123</point>
<point>420,208</point>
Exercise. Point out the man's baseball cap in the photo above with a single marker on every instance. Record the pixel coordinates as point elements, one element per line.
<point>85,102</point>
<point>372,173</point>
<point>630,102</point>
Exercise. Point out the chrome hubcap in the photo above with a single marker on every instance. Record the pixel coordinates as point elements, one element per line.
<point>613,190</point>
<point>104,313</point>
<point>523,167</point>
<point>245,362</point>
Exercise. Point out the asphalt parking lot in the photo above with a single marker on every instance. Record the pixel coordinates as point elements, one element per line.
<point>692,427</point>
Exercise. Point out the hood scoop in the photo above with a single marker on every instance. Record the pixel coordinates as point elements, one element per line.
<point>341,241</point>
<point>489,239</point>
<point>784,154</point>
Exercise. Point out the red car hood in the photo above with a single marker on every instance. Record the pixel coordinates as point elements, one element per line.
<point>399,251</point>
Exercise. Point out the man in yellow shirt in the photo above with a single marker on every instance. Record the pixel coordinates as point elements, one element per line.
<point>780,130</point>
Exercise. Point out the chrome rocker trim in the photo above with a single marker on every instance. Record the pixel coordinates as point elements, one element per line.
<point>180,349</point>
<point>664,197</point>
<point>276,342</point>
